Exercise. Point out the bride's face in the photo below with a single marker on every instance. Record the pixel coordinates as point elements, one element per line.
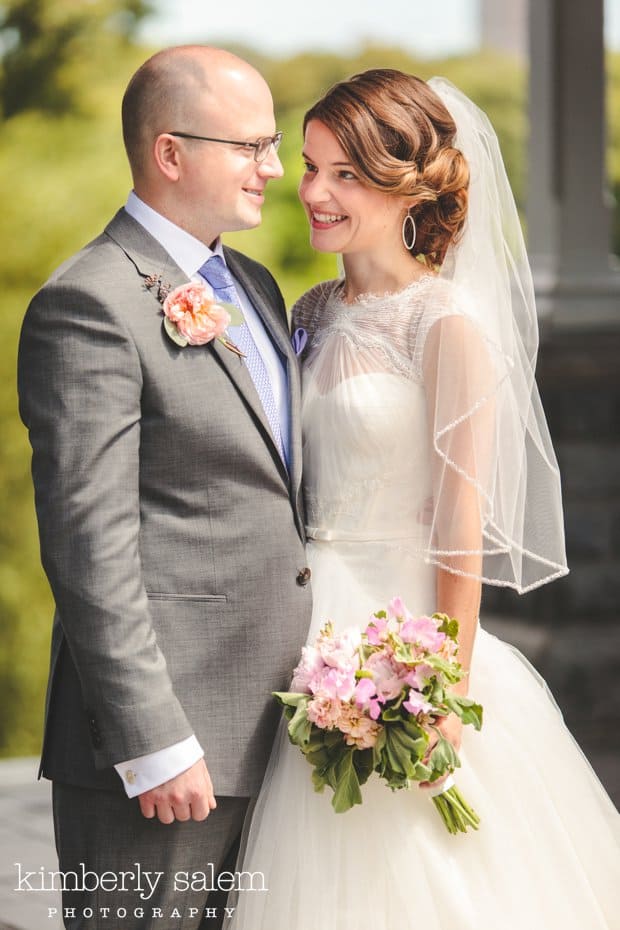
<point>345,215</point>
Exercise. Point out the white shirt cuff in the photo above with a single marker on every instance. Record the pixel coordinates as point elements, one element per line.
<point>146,772</point>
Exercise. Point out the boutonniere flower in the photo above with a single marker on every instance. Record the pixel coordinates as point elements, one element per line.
<point>192,317</point>
<point>299,340</point>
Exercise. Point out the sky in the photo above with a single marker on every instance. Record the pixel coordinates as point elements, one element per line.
<point>282,27</point>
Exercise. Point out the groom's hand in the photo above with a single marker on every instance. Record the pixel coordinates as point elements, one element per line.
<point>188,796</point>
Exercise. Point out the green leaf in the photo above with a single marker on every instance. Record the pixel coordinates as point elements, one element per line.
<point>415,746</point>
<point>330,776</point>
<point>392,711</point>
<point>397,782</point>
<point>392,756</point>
<point>174,334</point>
<point>318,757</point>
<point>450,669</point>
<point>317,739</point>
<point>319,781</point>
<point>404,653</point>
<point>399,752</point>
<point>299,727</point>
<point>443,757</point>
<point>291,698</point>
<point>413,728</point>
<point>377,749</point>
<point>236,313</point>
<point>422,772</point>
<point>466,709</point>
<point>449,625</point>
<point>407,750</point>
<point>347,791</point>
<point>295,710</point>
<point>334,741</point>
<point>363,761</point>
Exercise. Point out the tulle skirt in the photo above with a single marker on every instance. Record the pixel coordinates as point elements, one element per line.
<point>546,855</point>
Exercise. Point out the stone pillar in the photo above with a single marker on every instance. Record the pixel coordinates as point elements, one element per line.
<point>569,207</point>
<point>577,285</point>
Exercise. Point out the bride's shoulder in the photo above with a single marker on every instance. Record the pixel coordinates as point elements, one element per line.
<point>308,307</point>
<point>439,299</point>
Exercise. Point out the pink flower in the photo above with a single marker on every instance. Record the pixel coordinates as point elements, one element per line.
<point>359,730</point>
<point>340,651</point>
<point>385,675</point>
<point>334,683</point>
<point>310,665</point>
<point>376,630</point>
<point>418,676</point>
<point>416,704</point>
<point>324,712</point>
<point>422,632</point>
<point>366,699</point>
<point>198,318</point>
<point>397,609</point>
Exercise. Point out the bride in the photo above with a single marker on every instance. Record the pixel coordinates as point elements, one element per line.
<point>428,471</point>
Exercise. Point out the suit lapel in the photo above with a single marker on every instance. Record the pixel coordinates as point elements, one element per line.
<point>281,339</point>
<point>155,265</point>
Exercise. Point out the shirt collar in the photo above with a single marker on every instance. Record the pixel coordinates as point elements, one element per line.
<point>189,253</point>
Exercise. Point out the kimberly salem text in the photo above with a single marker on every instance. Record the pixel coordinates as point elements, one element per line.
<point>142,882</point>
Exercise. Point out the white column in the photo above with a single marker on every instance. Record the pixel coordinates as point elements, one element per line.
<point>569,206</point>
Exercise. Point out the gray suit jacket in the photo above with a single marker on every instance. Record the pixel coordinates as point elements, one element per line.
<point>171,532</point>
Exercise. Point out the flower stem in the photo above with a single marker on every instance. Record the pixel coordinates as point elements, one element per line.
<point>455,812</point>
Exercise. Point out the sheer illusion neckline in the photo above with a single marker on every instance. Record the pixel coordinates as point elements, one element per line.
<point>370,297</point>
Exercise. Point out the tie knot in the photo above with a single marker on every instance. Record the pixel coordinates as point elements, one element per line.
<point>216,273</point>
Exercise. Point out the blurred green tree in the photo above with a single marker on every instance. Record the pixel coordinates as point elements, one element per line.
<point>39,38</point>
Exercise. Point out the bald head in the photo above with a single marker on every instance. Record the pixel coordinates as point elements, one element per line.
<point>166,92</point>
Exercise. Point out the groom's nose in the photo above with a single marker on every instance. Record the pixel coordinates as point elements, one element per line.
<point>271,167</point>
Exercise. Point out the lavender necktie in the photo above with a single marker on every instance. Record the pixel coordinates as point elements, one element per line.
<point>219,277</point>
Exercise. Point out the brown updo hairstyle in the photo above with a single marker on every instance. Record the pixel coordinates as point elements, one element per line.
<point>398,136</point>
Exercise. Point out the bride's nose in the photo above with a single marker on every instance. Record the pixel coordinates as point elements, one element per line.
<point>314,190</point>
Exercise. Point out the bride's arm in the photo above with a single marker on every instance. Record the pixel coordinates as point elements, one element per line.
<point>460,411</point>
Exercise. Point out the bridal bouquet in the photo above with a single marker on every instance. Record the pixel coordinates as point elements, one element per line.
<point>363,702</point>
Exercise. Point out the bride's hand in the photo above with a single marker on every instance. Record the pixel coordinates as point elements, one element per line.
<point>451,729</point>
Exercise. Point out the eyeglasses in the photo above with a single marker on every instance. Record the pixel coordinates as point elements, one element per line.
<point>261,146</point>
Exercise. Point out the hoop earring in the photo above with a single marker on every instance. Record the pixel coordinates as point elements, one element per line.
<point>409,231</point>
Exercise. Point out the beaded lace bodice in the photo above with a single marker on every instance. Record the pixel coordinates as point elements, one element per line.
<point>364,416</point>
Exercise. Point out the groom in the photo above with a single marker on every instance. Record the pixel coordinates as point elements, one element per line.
<point>167,486</point>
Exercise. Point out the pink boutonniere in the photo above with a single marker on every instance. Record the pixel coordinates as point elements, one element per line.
<point>192,317</point>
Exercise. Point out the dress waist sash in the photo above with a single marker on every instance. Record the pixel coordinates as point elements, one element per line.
<point>326,534</point>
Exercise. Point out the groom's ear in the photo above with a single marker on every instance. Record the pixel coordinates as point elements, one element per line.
<point>167,156</point>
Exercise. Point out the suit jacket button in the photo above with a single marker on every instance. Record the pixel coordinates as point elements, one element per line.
<point>303,577</point>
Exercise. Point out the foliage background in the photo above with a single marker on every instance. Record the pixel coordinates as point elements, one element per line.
<point>63,175</point>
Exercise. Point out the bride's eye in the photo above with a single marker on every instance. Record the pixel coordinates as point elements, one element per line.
<point>347,175</point>
<point>309,167</point>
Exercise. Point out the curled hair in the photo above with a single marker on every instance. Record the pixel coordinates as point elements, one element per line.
<point>399,137</point>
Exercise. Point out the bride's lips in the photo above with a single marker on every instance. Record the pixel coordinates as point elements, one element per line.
<point>326,220</point>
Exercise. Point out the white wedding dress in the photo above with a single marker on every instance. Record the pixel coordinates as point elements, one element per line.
<point>547,854</point>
